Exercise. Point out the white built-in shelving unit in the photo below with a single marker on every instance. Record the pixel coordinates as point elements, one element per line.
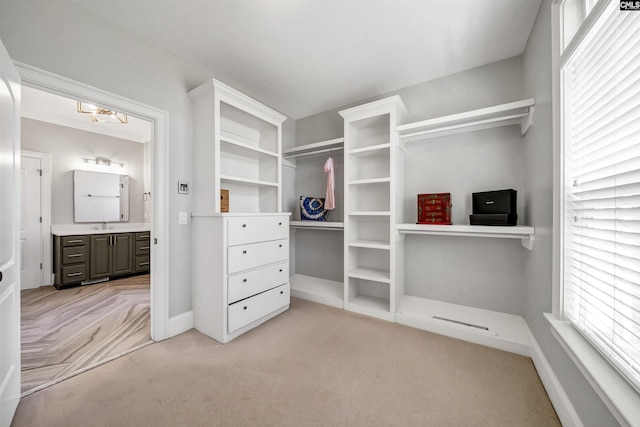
<point>374,228</point>
<point>500,330</point>
<point>239,151</point>
<point>371,154</point>
<point>240,267</point>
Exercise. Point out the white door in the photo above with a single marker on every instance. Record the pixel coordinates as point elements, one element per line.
<point>30,223</point>
<point>9,225</point>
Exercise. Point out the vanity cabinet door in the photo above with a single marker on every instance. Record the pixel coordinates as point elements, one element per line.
<point>111,255</point>
<point>99,250</point>
<point>122,255</point>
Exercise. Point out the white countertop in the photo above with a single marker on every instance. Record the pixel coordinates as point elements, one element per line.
<point>73,229</point>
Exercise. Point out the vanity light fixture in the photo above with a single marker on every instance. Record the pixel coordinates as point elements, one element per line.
<point>102,161</point>
<point>101,114</point>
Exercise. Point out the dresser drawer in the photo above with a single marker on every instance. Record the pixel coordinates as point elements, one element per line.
<point>142,247</point>
<point>74,240</point>
<point>245,257</point>
<point>245,230</point>
<point>244,285</point>
<point>73,274</point>
<point>251,309</point>
<point>74,255</point>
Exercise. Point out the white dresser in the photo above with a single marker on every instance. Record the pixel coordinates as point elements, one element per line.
<point>240,271</point>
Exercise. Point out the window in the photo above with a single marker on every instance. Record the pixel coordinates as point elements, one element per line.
<point>600,101</point>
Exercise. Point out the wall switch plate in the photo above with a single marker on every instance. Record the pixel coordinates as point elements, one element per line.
<point>182,218</point>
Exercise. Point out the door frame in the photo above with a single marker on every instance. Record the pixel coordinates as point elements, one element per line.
<point>49,82</point>
<point>46,277</point>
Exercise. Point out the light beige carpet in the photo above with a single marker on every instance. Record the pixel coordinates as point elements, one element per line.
<point>311,366</point>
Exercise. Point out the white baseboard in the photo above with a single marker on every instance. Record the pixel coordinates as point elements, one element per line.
<point>561,403</point>
<point>180,323</point>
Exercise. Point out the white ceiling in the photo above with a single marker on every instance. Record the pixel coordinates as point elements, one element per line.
<point>303,57</point>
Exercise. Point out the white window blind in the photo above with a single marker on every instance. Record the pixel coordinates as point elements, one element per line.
<point>601,140</point>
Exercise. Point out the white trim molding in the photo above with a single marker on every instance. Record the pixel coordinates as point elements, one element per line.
<point>561,402</point>
<point>52,83</point>
<point>616,393</point>
<point>180,323</point>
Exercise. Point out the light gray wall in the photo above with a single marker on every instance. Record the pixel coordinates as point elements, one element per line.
<point>126,66</point>
<point>67,147</point>
<point>539,211</point>
<point>483,273</point>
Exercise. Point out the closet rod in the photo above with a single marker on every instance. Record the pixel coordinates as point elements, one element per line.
<point>310,153</point>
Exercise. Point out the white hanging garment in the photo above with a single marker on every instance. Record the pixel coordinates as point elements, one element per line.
<point>330,198</point>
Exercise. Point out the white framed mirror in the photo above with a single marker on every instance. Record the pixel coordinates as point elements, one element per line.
<point>100,197</point>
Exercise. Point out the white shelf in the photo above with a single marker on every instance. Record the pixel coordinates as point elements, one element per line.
<point>323,291</point>
<point>372,149</point>
<point>525,233</point>
<point>240,180</point>
<point>513,113</point>
<point>372,274</point>
<point>370,181</point>
<point>371,244</point>
<point>314,148</point>
<point>242,148</point>
<point>370,306</point>
<point>370,213</point>
<point>503,331</point>
<point>317,225</point>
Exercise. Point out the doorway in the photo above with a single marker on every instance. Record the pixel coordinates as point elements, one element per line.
<point>38,79</point>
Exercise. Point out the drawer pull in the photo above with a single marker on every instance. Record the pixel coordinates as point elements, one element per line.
<point>281,292</point>
<point>244,308</point>
<point>244,252</point>
<point>74,255</point>
<point>74,241</point>
<point>144,263</point>
<point>74,274</point>
<point>244,280</point>
<point>244,225</point>
<point>279,223</point>
<point>280,270</point>
<point>144,248</point>
<point>280,245</point>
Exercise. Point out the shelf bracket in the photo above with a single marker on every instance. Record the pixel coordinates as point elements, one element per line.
<point>527,242</point>
<point>527,121</point>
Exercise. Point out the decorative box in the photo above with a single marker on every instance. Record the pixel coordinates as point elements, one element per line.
<point>494,208</point>
<point>434,208</point>
<point>224,200</point>
<point>312,209</point>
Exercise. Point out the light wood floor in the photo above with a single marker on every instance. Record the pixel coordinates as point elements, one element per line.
<point>65,332</point>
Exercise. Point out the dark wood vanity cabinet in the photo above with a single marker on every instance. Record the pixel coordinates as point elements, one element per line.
<point>111,255</point>
<point>85,259</point>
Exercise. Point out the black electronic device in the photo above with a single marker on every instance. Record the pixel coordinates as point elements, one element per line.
<point>494,208</point>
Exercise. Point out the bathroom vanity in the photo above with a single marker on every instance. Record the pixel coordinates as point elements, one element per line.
<point>83,256</point>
